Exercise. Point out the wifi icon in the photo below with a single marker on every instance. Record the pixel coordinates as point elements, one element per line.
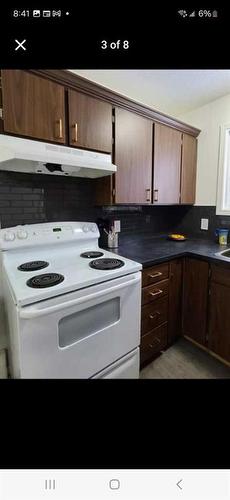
<point>182,13</point>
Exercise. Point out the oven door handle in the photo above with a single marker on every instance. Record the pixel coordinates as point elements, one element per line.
<point>35,313</point>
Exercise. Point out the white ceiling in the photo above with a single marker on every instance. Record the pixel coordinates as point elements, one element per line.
<point>173,92</point>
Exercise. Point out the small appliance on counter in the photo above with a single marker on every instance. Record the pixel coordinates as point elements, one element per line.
<point>109,230</point>
<point>222,235</point>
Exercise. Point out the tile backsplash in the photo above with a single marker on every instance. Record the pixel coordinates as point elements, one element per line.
<point>33,198</point>
<point>190,222</point>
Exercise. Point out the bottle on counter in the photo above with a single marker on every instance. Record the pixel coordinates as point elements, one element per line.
<point>222,236</point>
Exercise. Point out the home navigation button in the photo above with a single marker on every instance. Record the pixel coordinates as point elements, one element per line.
<point>114,484</point>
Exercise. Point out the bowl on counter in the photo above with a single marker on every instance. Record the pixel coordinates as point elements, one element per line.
<point>177,237</point>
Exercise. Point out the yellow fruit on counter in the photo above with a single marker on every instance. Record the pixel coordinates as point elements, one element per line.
<point>177,236</point>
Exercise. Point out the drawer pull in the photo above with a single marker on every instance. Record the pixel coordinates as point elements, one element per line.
<point>155,197</point>
<point>155,275</point>
<point>75,136</point>
<point>158,292</point>
<point>60,129</point>
<point>152,345</point>
<point>153,316</point>
<point>148,194</point>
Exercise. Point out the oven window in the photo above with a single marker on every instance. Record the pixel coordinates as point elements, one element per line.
<point>84,323</point>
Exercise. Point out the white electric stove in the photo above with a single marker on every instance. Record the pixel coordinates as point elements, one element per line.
<point>73,309</point>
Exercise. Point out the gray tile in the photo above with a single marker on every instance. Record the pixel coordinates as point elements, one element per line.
<point>184,360</point>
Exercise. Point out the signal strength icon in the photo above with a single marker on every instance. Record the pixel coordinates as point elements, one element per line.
<point>182,13</point>
<point>192,14</point>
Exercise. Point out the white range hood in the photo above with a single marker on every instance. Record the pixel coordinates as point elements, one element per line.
<point>25,155</point>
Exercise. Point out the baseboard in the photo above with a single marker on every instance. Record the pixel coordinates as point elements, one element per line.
<point>207,350</point>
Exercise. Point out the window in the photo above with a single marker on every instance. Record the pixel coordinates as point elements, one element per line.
<point>223,191</point>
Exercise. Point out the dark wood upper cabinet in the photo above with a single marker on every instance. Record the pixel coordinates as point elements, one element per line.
<point>195,299</point>
<point>188,169</point>
<point>167,164</point>
<point>156,162</point>
<point>90,122</point>
<point>133,157</point>
<point>175,299</point>
<point>33,106</point>
<point>219,312</point>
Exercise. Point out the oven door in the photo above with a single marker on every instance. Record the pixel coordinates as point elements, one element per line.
<point>78,334</point>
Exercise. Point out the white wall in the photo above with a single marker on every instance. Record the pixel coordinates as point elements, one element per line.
<point>208,118</point>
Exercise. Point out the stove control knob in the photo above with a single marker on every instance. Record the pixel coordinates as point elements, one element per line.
<point>94,228</point>
<point>9,236</point>
<point>85,228</point>
<point>22,234</point>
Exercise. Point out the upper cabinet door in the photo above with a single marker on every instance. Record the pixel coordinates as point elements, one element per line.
<point>188,169</point>
<point>133,157</point>
<point>33,106</point>
<point>90,122</point>
<point>167,164</point>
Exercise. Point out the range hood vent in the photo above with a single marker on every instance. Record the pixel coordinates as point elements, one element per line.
<point>35,157</point>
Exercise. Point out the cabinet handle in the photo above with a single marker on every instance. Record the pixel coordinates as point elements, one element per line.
<point>152,345</point>
<point>60,129</point>
<point>75,132</point>
<point>148,194</point>
<point>155,293</point>
<point>152,316</point>
<point>155,196</point>
<point>155,275</point>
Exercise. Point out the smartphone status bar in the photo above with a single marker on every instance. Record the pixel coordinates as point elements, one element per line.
<point>38,13</point>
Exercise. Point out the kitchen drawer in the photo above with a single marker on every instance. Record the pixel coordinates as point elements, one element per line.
<point>155,274</point>
<point>155,292</point>
<point>153,343</point>
<point>220,274</point>
<point>153,315</point>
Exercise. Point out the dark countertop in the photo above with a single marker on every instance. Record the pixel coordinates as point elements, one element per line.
<point>151,249</point>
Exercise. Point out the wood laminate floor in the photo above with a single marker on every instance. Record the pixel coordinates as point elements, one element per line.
<point>185,360</point>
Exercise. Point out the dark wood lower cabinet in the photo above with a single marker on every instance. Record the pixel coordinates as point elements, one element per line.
<point>175,298</point>
<point>195,299</point>
<point>154,312</point>
<point>187,299</point>
<point>219,313</point>
<point>161,308</point>
<point>153,343</point>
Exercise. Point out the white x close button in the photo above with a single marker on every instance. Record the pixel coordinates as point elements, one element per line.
<point>20,45</point>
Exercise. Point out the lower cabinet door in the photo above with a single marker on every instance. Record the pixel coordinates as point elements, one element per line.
<point>219,320</point>
<point>195,299</point>
<point>153,342</point>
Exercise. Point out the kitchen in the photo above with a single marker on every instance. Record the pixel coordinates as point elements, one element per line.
<point>151,149</point>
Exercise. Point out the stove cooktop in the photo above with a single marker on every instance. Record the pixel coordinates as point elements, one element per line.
<point>65,260</point>
<point>45,280</point>
<point>91,255</point>
<point>106,264</point>
<point>34,265</point>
